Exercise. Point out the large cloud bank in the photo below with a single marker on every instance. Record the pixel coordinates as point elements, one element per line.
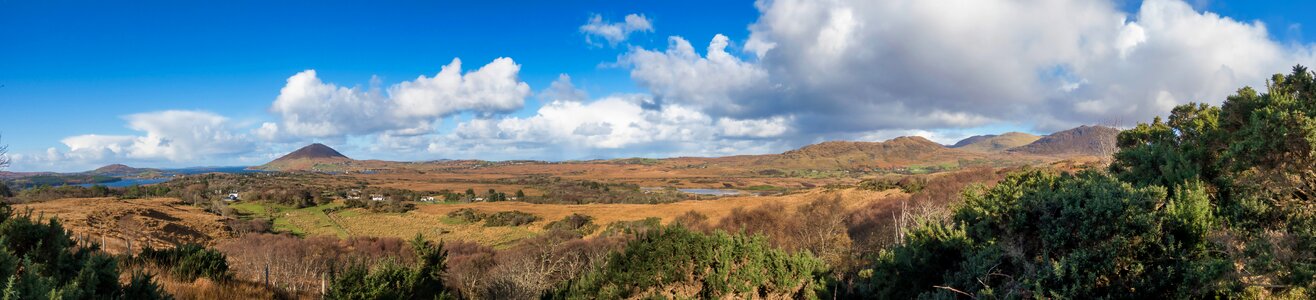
<point>809,70</point>
<point>844,66</point>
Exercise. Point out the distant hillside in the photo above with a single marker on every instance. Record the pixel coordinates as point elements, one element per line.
<point>901,146</point>
<point>1084,140</point>
<point>120,170</point>
<point>313,157</point>
<point>898,152</point>
<point>106,174</point>
<point>995,142</point>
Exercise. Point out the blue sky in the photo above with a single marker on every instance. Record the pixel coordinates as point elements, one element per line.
<point>73,69</point>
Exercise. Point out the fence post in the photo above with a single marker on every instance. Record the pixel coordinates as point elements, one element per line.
<point>322,285</point>
<point>267,276</point>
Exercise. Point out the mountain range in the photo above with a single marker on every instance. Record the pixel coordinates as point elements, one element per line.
<point>908,151</point>
<point>833,155</point>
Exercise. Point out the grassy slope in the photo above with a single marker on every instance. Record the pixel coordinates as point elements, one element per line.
<point>300,221</point>
<point>1001,142</point>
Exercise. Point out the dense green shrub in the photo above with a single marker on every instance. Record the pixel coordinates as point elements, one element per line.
<point>141,286</point>
<point>1210,203</point>
<point>1256,153</point>
<point>557,191</point>
<point>39,260</point>
<point>4,191</point>
<point>578,223</point>
<point>1039,234</point>
<point>509,218</point>
<point>468,215</point>
<point>189,262</point>
<point>675,262</point>
<point>632,227</point>
<point>877,184</point>
<point>392,280</point>
<point>907,184</point>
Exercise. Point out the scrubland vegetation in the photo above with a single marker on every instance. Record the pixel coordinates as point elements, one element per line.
<point>39,259</point>
<point>1212,202</point>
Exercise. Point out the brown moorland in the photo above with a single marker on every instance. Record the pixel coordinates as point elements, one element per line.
<point>158,222</point>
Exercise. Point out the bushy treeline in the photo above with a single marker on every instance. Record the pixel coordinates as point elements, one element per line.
<point>1215,202</point>
<point>392,205</point>
<point>299,264</point>
<point>584,191</point>
<point>499,219</point>
<point>907,184</point>
<point>40,260</point>
<point>59,180</point>
<point>45,193</point>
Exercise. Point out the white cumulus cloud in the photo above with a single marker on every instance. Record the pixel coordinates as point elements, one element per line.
<point>619,125</point>
<point>171,136</point>
<point>717,81</point>
<point>615,32</point>
<point>854,66</point>
<point>309,107</point>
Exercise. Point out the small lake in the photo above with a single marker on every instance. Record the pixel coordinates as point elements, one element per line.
<point>127,182</point>
<point>710,192</point>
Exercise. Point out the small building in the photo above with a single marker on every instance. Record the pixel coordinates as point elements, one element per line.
<point>427,199</point>
<point>377,198</point>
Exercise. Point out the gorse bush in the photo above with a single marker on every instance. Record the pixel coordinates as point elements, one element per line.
<point>907,184</point>
<point>468,215</point>
<point>1212,203</point>
<point>39,260</point>
<point>578,223</point>
<point>4,191</point>
<point>1257,154</point>
<point>189,262</point>
<point>632,227</point>
<point>392,280</point>
<point>557,191</point>
<point>1039,234</point>
<point>674,262</point>
<point>509,218</point>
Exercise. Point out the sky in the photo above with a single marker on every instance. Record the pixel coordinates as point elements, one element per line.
<point>183,83</point>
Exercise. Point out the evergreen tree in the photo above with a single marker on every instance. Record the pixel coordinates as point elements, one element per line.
<point>39,260</point>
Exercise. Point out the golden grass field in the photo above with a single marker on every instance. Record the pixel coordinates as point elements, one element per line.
<point>431,220</point>
<point>479,178</point>
<point>163,222</point>
<point>159,222</point>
